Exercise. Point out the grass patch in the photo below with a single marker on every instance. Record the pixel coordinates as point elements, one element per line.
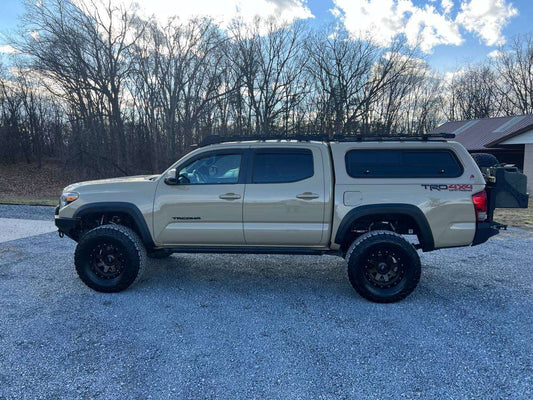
<point>30,201</point>
<point>517,217</point>
<point>24,183</point>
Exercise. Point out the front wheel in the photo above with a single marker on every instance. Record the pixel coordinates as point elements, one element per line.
<point>383,267</point>
<point>110,258</point>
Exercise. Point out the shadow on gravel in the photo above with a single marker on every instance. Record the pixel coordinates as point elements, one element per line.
<point>248,274</point>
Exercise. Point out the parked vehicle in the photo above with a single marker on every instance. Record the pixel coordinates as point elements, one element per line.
<point>354,197</point>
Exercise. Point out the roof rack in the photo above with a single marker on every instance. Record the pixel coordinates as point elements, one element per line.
<point>214,139</point>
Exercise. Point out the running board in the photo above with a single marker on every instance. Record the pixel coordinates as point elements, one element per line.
<point>255,250</point>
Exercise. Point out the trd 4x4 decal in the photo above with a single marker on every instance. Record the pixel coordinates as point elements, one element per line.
<point>450,188</point>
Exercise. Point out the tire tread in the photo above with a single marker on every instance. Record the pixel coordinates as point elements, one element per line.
<point>119,232</point>
<point>359,245</point>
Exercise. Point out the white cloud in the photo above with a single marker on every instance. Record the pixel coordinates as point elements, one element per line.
<point>428,25</point>
<point>495,54</point>
<point>8,49</point>
<point>224,11</point>
<point>451,75</point>
<point>431,29</point>
<point>446,6</point>
<point>486,18</point>
<point>382,20</point>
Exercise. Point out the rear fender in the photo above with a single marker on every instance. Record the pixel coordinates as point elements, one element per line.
<point>425,235</point>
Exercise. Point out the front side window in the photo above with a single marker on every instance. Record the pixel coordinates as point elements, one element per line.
<point>403,163</point>
<point>282,166</point>
<point>211,169</point>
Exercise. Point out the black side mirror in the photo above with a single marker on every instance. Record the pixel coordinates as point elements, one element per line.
<point>171,178</point>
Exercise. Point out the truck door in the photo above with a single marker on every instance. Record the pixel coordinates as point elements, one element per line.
<point>285,197</point>
<point>205,208</point>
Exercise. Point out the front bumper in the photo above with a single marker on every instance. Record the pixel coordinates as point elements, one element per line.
<point>486,230</point>
<point>67,226</point>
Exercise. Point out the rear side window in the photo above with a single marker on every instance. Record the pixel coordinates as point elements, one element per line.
<point>282,166</point>
<point>391,163</point>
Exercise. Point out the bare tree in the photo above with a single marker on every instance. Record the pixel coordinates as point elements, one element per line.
<point>514,68</point>
<point>83,50</point>
<point>350,75</point>
<point>268,66</point>
<point>473,94</point>
<point>121,94</point>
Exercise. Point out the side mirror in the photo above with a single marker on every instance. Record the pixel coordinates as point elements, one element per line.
<point>171,178</point>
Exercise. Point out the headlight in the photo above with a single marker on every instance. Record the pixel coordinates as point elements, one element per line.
<point>67,198</point>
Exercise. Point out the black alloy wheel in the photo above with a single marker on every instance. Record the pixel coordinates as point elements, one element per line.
<point>383,267</point>
<point>107,260</point>
<point>110,258</point>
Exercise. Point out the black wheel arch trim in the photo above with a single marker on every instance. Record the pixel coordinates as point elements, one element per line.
<point>122,207</point>
<point>425,235</point>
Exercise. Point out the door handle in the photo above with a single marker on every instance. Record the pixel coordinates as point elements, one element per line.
<point>229,196</point>
<point>307,196</point>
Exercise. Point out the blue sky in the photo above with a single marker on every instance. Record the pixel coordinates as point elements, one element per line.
<point>454,32</point>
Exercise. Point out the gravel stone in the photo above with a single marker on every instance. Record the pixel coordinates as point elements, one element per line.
<point>265,327</point>
<point>43,213</point>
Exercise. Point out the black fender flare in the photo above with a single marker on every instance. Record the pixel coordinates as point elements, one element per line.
<point>425,234</point>
<point>122,207</point>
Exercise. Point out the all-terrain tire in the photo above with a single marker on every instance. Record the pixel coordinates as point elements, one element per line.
<point>485,160</point>
<point>110,258</point>
<point>396,253</point>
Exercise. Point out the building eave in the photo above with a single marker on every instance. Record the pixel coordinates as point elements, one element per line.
<point>509,136</point>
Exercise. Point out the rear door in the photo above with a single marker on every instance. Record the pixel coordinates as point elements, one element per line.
<point>285,197</point>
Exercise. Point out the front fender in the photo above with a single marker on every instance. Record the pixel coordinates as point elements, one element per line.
<point>129,209</point>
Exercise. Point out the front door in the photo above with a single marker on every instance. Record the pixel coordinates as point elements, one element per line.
<point>285,198</point>
<point>205,208</point>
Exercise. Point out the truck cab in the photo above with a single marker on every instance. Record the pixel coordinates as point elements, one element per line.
<point>247,194</point>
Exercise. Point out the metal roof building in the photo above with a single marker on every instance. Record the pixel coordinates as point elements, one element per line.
<point>508,138</point>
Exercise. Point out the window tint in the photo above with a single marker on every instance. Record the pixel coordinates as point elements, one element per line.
<point>402,164</point>
<point>212,169</point>
<point>280,167</point>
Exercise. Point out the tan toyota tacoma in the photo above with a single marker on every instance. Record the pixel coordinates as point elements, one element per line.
<point>374,201</point>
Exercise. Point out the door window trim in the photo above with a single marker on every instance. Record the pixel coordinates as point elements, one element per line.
<point>274,150</point>
<point>242,176</point>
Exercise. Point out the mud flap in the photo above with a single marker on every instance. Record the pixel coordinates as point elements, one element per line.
<point>486,230</point>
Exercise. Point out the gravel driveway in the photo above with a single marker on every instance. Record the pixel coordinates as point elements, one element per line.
<point>264,327</point>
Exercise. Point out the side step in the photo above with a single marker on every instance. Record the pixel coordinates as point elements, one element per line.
<point>255,250</point>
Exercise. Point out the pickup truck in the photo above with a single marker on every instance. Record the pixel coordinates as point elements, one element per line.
<point>374,202</point>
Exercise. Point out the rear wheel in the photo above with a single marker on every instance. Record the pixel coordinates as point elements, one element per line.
<point>383,267</point>
<point>110,258</point>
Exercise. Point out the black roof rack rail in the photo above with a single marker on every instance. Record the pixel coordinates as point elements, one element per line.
<point>214,139</point>
<point>393,137</point>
